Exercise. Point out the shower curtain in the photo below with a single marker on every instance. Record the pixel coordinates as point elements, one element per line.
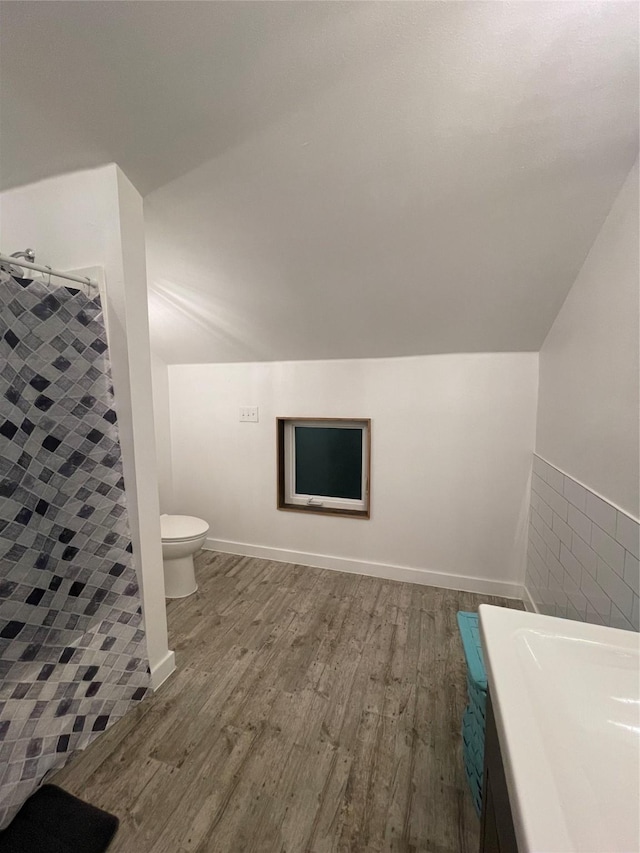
<point>72,646</point>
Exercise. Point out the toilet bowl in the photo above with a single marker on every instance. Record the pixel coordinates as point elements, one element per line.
<point>182,536</point>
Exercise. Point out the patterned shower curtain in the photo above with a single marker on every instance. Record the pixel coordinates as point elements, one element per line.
<point>72,647</point>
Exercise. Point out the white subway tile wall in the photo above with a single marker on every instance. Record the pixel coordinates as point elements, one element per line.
<point>582,559</point>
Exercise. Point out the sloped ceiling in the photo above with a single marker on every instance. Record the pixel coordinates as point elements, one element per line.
<point>335,180</point>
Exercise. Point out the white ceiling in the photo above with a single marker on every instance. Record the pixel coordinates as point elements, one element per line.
<point>337,179</point>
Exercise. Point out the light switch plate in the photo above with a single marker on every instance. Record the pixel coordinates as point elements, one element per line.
<point>249,414</point>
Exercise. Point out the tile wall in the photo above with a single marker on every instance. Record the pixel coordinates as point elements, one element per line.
<point>582,559</point>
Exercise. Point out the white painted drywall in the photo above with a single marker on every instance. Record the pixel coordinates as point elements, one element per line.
<point>438,195</point>
<point>161,417</point>
<point>338,180</point>
<point>94,218</point>
<point>161,88</point>
<point>588,414</point>
<point>452,438</point>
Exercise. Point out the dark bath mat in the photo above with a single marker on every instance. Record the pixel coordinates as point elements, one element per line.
<point>53,821</point>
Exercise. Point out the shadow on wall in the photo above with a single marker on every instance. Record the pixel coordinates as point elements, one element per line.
<point>176,309</point>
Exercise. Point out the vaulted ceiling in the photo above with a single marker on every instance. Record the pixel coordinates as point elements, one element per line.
<point>337,179</point>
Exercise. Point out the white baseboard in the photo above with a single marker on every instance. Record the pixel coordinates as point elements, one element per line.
<point>163,669</point>
<point>363,567</point>
<point>529,603</point>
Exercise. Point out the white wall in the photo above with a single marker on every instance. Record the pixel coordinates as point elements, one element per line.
<point>452,438</point>
<point>94,218</point>
<point>588,415</point>
<point>161,417</point>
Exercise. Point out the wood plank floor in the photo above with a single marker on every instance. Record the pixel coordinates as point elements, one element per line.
<point>311,711</point>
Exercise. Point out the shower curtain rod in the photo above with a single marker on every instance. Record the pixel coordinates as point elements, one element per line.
<point>17,262</point>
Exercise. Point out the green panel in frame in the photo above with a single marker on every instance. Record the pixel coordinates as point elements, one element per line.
<point>324,465</point>
<point>328,461</point>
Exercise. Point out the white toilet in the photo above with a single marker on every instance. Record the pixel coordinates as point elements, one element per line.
<point>182,536</point>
